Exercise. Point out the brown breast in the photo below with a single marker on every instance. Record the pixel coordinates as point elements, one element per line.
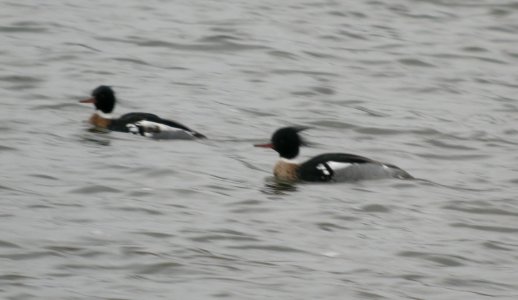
<point>99,121</point>
<point>286,171</point>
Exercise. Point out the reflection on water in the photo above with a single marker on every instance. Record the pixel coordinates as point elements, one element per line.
<point>97,136</point>
<point>96,129</point>
<point>274,186</point>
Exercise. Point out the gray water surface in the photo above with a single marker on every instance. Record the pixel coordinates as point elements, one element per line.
<point>427,85</point>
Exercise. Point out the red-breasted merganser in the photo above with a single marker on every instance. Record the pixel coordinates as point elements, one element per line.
<point>325,167</point>
<point>144,124</point>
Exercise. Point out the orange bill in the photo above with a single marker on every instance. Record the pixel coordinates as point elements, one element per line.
<point>88,100</point>
<point>269,145</point>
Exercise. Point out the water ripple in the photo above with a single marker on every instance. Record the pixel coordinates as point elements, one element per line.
<point>148,211</point>
<point>7,148</point>
<point>455,157</point>
<point>302,72</point>
<point>274,248</point>
<point>157,268</point>
<point>486,228</point>
<point>21,79</point>
<point>482,211</point>
<point>376,208</point>
<point>415,62</point>
<point>220,45</point>
<point>494,245</point>
<point>441,259</point>
<point>5,244</point>
<point>14,277</point>
<point>218,237</point>
<point>29,255</point>
<point>22,29</point>
<point>153,234</point>
<point>94,189</point>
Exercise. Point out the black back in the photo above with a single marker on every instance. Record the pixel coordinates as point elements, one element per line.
<point>317,168</point>
<point>131,118</point>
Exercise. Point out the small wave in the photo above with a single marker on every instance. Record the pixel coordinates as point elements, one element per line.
<point>371,112</point>
<point>442,259</point>
<point>4,244</point>
<point>313,73</point>
<point>94,189</point>
<point>153,234</point>
<point>44,176</point>
<point>84,46</point>
<point>324,90</point>
<point>468,57</point>
<point>282,54</point>
<point>221,45</point>
<point>64,249</point>
<point>6,148</point>
<point>415,62</point>
<point>442,144</point>
<point>466,282</point>
<point>333,124</point>
<point>326,226</point>
<point>29,255</point>
<point>218,38</point>
<point>218,237</point>
<point>482,211</point>
<point>157,268</point>
<point>454,156</point>
<point>14,277</point>
<point>274,248</point>
<point>390,131</point>
<point>320,55</point>
<point>304,93</point>
<point>20,79</point>
<point>251,210</point>
<point>132,60</point>
<point>494,245</point>
<point>58,106</point>
<point>138,210</point>
<point>375,208</point>
<point>474,49</point>
<point>486,228</point>
<point>22,29</point>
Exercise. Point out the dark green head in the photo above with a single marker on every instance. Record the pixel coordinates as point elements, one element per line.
<point>286,141</point>
<point>103,97</point>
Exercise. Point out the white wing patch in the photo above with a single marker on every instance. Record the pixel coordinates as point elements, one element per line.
<point>334,165</point>
<point>158,130</point>
<point>157,127</point>
<point>323,168</point>
<point>367,171</point>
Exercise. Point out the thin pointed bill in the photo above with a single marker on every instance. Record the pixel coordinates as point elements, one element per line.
<point>88,100</point>
<point>269,145</point>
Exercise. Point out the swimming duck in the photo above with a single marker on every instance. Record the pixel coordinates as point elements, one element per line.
<point>146,124</point>
<point>324,167</point>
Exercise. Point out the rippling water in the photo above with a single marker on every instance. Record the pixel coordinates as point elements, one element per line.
<point>427,85</point>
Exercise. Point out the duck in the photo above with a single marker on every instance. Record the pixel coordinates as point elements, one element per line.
<point>145,124</point>
<point>327,167</point>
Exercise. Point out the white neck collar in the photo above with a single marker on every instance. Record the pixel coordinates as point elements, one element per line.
<point>103,115</point>
<point>289,161</point>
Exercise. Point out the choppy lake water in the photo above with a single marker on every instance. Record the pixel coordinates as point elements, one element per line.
<point>427,85</point>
